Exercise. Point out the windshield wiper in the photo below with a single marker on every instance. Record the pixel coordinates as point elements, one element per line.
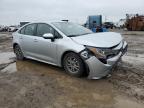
<point>78,35</point>
<point>73,35</point>
<point>86,33</point>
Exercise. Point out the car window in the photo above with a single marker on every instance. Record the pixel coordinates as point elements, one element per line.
<point>22,30</point>
<point>43,29</point>
<point>71,29</point>
<point>30,29</point>
<point>56,34</point>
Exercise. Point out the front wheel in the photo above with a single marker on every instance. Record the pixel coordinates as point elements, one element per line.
<point>18,52</point>
<point>73,64</point>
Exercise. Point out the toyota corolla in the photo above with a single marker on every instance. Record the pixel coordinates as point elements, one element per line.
<point>71,46</point>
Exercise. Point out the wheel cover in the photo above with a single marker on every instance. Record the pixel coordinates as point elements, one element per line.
<point>72,64</point>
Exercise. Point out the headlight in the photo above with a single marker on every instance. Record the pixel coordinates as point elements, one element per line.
<point>99,53</point>
<point>92,51</point>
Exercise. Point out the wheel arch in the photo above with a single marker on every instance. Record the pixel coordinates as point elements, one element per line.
<point>70,51</point>
<point>14,44</point>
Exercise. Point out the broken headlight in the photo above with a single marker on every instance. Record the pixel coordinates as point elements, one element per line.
<point>98,52</point>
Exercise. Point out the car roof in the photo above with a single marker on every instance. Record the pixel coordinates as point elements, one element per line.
<point>48,22</point>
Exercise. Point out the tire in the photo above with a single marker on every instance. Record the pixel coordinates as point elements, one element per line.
<point>18,52</point>
<point>73,65</point>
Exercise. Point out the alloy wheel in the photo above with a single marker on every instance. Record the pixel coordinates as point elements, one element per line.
<point>72,65</point>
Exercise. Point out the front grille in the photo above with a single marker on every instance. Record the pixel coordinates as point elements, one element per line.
<point>114,50</point>
<point>111,53</point>
<point>103,60</point>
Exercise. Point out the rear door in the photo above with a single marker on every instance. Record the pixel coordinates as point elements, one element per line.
<point>28,40</point>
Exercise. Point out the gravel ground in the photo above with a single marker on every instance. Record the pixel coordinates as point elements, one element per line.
<point>31,84</point>
<point>128,76</point>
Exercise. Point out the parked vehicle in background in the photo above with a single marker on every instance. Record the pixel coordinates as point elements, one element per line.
<point>4,29</point>
<point>23,23</point>
<point>120,24</point>
<point>74,47</point>
<point>1,28</point>
<point>109,25</point>
<point>12,28</point>
<point>94,23</point>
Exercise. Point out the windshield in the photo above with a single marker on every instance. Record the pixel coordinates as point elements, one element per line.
<point>71,29</point>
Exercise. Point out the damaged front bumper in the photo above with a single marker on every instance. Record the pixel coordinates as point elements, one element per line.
<point>97,69</point>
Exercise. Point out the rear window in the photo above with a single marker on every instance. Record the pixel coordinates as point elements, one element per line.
<point>30,29</point>
<point>22,30</point>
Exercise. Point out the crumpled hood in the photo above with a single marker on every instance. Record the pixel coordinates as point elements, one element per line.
<point>105,39</point>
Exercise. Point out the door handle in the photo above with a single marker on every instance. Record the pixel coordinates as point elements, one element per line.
<point>35,40</point>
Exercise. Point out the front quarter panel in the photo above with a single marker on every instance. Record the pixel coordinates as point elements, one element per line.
<point>67,44</point>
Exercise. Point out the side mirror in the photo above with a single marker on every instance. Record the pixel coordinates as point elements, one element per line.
<point>48,36</point>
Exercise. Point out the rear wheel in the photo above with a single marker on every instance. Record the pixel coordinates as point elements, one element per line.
<point>73,64</point>
<point>18,52</point>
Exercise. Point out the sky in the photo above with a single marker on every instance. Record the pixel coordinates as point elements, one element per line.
<point>15,11</point>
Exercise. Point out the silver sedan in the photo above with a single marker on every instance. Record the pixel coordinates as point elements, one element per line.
<point>71,46</point>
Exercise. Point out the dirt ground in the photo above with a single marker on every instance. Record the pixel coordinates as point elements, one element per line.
<point>31,84</point>
<point>129,74</point>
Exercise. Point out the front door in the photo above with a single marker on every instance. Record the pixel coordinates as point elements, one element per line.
<point>45,48</point>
